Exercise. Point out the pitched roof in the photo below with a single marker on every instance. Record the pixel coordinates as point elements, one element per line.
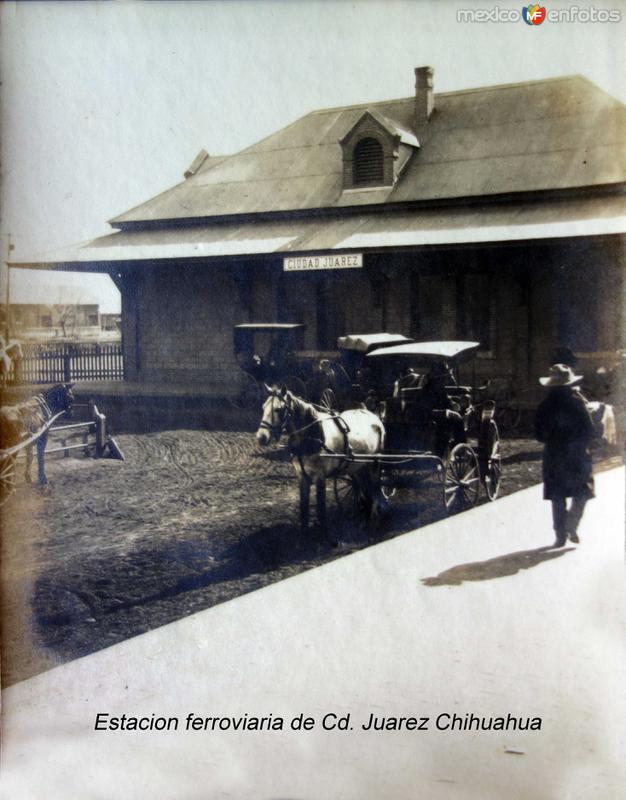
<point>561,133</point>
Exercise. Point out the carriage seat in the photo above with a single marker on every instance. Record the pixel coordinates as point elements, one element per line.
<point>446,415</point>
<point>460,397</point>
<point>409,385</point>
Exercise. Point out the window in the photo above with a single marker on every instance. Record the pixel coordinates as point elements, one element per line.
<point>367,166</point>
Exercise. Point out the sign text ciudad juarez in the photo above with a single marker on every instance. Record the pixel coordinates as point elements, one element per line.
<point>303,263</point>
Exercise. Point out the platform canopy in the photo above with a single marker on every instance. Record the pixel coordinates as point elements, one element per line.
<point>468,224</point>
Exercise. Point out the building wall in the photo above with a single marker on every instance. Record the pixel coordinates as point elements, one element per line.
<point>522,301</point>
<point>128,284</point>
<point>186,320</point>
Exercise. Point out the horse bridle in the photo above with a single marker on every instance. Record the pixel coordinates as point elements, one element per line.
<point>277,429</point>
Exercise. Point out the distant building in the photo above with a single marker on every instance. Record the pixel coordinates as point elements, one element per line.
<point>58,321</point>
<point>111,323</point>
<point>496,214</point>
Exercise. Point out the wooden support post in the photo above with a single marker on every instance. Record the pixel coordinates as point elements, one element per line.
<point>101,431</point>
<point>67,367</point>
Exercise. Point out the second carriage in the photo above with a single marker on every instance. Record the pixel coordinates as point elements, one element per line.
<point>268,352</point>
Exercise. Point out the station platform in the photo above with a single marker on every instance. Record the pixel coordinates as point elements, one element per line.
<point>133,407</point>
<point>136,407</point>
<point>473,617</point>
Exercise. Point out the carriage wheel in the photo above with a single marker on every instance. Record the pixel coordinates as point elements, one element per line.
<point>249,395</point>
<point>351,499</point>
<point>491,464</point>
<point>461,484</point>
<point>509,415</point>
<point>296,386</point>
<point>353,504</point>
<point>7,478</point>
<point>328,400</point>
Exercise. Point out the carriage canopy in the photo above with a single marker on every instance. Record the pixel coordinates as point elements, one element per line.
<point>452,351</point>
<point>367,342</point>
<point>268,327</point>
<point>251,336</point>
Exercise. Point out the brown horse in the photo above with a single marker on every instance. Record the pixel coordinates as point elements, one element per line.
<point>21,421</point>
<point>316,437</point>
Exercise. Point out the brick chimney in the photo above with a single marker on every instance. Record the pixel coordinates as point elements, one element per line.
<point>424,97</point>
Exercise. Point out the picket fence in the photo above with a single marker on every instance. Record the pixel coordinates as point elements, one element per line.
<point>68,362</point>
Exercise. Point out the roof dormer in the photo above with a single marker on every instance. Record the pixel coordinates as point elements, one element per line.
<point>375,151</point>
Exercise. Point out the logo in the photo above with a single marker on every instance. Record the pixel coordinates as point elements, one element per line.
<point>533,14</point>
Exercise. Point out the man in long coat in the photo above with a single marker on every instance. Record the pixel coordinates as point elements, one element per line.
<point>565,427</point>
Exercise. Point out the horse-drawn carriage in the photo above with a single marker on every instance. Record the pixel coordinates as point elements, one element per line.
<point>269,352</point>
<point>434,427</point>
<point>427,424</point>
<point>426,410</point>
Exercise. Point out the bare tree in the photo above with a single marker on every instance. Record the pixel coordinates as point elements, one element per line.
<point>67,314</point>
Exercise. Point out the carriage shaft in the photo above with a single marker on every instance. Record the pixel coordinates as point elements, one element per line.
<point>388,459</point>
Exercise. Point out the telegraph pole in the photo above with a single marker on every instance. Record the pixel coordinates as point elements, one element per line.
<point>7,314</point>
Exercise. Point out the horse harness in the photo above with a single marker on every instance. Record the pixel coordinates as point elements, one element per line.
<point>310,444</point>
<point>43,406</point>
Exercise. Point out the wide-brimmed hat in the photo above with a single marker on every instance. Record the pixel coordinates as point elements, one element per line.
<point>560,375</point>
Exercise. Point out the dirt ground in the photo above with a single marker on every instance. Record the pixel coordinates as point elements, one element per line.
<point>111,549</point>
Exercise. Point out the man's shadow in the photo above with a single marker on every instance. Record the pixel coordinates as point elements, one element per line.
<point>498,567</point>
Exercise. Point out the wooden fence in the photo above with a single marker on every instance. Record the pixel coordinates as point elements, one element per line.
<point>64,363</point>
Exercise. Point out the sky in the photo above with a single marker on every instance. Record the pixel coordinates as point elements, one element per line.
<point>104,105</point>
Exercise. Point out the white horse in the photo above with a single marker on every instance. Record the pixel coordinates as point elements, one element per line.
<point>604,422</point>
<point>10,360</point>
<point>316,437</point>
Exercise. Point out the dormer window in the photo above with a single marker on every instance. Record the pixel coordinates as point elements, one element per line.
<point>375,151</point>
<point>367,163</point>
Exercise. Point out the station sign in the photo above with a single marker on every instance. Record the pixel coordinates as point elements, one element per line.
<point>305,263</point>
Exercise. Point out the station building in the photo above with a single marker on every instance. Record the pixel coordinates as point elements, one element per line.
<point>495,214</point>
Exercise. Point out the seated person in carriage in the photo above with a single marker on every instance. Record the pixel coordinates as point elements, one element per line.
<point>277,353</point>
<point>424,401</point>
<point>267,363</point>
<point>252,363</point>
